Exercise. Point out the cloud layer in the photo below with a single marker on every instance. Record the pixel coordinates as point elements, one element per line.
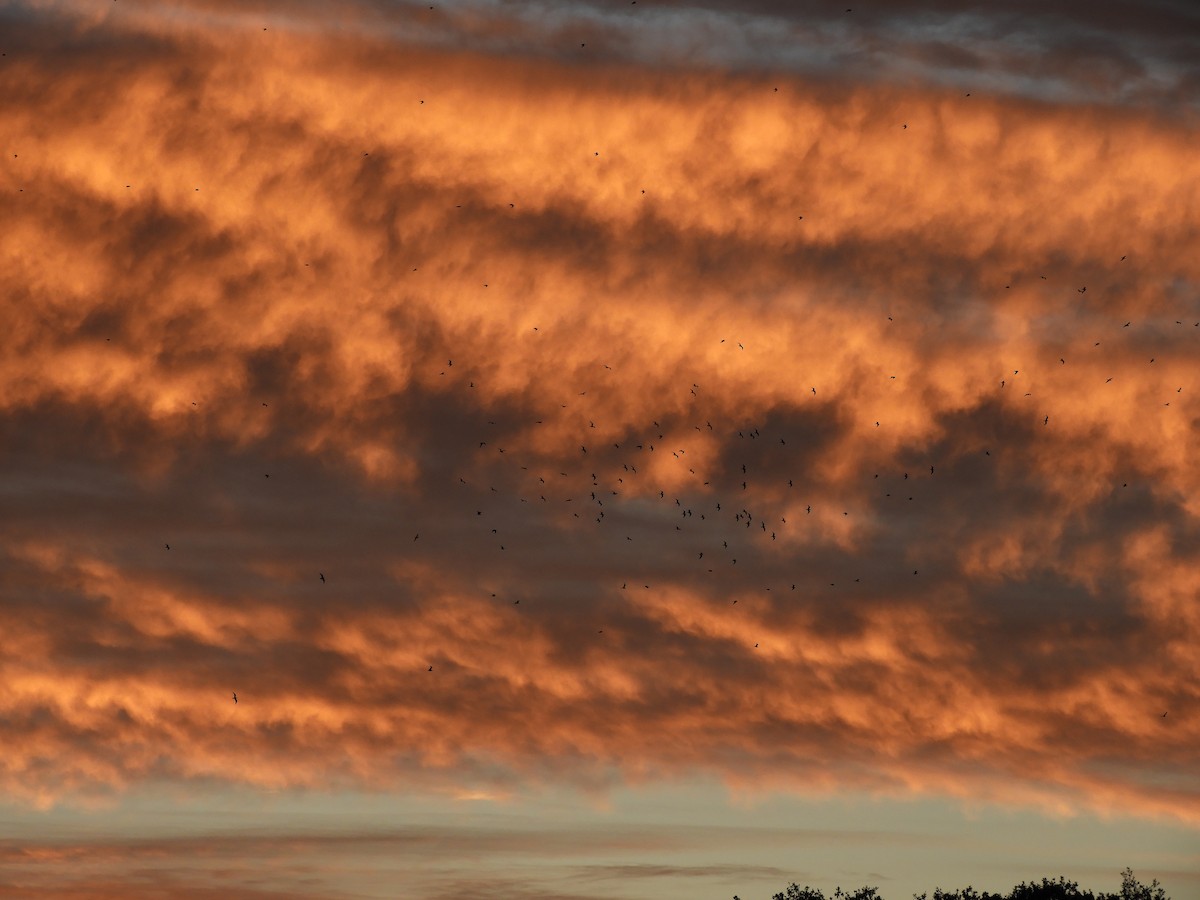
<point>817,432</point>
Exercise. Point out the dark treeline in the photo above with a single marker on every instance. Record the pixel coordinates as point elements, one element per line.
<point>1131,889</point>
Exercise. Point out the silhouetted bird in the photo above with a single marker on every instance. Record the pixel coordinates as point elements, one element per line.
<point>235,696</point>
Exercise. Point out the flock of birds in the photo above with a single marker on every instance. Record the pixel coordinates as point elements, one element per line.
<point>595,489</point>
<point>721,524</point>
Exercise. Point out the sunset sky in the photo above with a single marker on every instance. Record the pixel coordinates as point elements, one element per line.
<point>612,450</point>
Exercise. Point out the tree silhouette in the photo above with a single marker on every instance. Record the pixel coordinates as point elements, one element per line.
<point>1132,890</point>
<point>1050,890</point>
<point>967,893</point>
<point>795,892</point>
<point>1059,889</point>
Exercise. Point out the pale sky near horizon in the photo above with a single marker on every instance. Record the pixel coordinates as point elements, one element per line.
<point>665,841</point>
<point>612,450</point>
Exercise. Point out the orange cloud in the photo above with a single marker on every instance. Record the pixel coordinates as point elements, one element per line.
<point>487,342</point>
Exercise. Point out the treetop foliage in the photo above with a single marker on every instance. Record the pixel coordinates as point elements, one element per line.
<point>1060,889</point>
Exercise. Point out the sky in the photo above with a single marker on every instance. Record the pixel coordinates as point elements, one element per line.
<point>610,450</point>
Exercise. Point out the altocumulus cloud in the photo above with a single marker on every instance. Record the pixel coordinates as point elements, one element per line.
<point>523,348</point>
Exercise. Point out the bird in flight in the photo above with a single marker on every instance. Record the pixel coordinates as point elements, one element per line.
<point>235,696</point>
<point>322,574</point>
